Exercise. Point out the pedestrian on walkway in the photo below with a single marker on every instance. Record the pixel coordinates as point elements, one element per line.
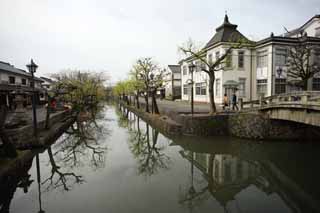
<point>234,102</point>
<point>225,101</point>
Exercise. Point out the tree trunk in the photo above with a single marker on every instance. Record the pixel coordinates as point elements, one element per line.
<point>137,100</point>
<point>154,103</point>
<point>305,85</point>
<point>213,109</point>
<point>147,104</point>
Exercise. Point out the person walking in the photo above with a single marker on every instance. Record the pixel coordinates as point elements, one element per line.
<point>225,101</point>
<point>234,102</point>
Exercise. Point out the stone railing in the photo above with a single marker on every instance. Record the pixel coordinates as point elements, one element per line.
<point>310,98</point>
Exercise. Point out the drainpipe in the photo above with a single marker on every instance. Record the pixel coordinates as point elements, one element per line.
<point>251,76</point>
<point>272,71</point>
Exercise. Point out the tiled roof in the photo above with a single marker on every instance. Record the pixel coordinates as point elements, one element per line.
<point>227,32</point>
<point>4,66</point>
<point>297,30</point>
<point>175,68</point>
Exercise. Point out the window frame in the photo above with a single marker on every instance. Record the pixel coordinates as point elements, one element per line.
<point>241,54</point>
<point>24,81</point>
<point>14,79</point>
<point>218,87</point>
<point>242,92</point>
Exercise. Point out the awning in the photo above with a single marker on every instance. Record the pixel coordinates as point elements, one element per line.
<point>231,84</point>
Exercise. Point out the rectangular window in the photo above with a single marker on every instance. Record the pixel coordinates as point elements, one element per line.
<point>184,70</point>
<point>241,59</point>
<point>316,84</point>
<point>23,81</point>
<point>201,88</point>
<point>210,58</point>
<point>262,60</point>
<point>280,86</point>
<point>12,80</point>
<point>218,87</point>
<point>185,89</point>
<point>229,60</point>
<point>262,87</point>
<point>242,87</point>
<point>317,32</point>
<point>198,66</point>
<point>217,57</point>
<point>281,57</point>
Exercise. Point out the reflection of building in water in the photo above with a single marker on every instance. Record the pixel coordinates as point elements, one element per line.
<point>227,169</point>
<point>228,177</point>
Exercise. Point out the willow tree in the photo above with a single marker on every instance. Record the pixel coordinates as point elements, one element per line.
<point>211,67</point>
<point>82,88</point>
<point>303,62</point>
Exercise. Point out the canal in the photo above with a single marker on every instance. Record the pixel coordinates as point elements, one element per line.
<point>115,162</point>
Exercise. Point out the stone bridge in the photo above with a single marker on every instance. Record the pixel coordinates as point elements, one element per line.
<point>301,107</point>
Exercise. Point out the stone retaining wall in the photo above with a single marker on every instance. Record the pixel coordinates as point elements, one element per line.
<point>163,123</point>
<point>257,126</point>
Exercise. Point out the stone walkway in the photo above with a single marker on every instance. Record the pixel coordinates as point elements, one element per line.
<point>181,106</point>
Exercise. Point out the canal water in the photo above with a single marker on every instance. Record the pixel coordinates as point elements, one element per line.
<point>115,162</point>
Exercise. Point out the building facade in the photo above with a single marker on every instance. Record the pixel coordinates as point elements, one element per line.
<point>258,69</point>
<point>172,82</point>
<point>14,81</point>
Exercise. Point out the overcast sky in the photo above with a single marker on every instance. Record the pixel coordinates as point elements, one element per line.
<point>110,35</point>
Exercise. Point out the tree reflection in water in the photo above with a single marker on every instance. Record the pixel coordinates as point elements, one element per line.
<point>83,142</point>
<point>144,145</point>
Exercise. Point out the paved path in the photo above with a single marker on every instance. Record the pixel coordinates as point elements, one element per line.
<point>181,106</point>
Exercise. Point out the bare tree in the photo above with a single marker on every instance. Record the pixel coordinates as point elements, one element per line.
<point>303,62</point>
<point>156,81</point>
<point>145,66</point>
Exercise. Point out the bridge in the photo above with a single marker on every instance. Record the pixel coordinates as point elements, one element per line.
<point>302,107</point>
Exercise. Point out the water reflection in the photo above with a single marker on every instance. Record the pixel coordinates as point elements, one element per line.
<point>9,183</point>
<point>147,172</point>
<point>143,143</point>
<point>223,177</point>
<point>228,171</point>
<point>83,144</point>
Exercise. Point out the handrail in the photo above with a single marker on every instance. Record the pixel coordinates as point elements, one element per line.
<point>301,97</point>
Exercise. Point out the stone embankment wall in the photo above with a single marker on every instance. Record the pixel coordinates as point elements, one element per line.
<point>164,124</point>
<point>255,126</point>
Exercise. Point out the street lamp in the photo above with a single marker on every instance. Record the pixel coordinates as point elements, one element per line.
<point>32,67</point>
<point>279,72</point>
<point>191,69</point>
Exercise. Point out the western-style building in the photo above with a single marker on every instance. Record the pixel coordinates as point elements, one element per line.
<point>255,70</point>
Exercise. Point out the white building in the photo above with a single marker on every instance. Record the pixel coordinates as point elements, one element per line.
<point>47,83</point>
<point>252,71</point>
<point>172,82</point>
<point>311,27</point>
